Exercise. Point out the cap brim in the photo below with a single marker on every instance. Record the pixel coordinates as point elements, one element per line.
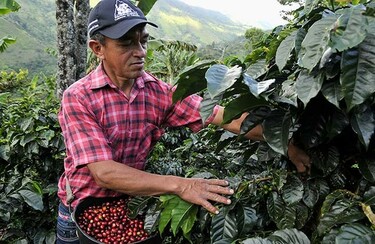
<point>121,28</point>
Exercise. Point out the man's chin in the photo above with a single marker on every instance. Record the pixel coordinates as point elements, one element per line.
<point>137,73</point>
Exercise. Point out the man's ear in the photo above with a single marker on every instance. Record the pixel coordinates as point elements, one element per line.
<point>97,48</point>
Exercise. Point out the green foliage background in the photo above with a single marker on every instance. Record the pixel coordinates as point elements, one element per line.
<point>294,82</point>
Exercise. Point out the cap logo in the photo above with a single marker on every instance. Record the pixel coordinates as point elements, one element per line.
<point>123,10</point>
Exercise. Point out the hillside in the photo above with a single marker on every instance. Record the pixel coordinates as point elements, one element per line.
<point>34,27</point>
<point>200,26</point>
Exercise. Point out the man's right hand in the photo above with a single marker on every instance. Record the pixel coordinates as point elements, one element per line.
<point>205,191</point>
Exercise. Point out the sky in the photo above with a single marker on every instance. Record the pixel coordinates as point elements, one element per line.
<point>252,13</point>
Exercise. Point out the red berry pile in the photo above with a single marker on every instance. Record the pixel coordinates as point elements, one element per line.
<point>109,223</point>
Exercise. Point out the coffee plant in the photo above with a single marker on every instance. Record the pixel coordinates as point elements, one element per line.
<point>31,156</point>
<point>310,81</point>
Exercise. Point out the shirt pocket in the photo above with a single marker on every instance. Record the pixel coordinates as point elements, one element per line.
<point>148,136</point>
<point>116,136</point>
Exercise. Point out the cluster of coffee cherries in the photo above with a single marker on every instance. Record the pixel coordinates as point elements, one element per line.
<point>109,223</point>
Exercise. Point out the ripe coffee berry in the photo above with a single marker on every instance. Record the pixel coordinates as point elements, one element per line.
<point>109,223</point>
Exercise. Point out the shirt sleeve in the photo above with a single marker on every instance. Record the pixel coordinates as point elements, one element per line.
<point>84,138</point>
<point>186,113</point>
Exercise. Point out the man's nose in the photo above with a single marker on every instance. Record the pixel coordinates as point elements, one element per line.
<point>140,50</point>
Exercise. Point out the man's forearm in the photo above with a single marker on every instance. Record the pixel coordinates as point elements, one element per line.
<point>122,178</point>
<point>125,179</point>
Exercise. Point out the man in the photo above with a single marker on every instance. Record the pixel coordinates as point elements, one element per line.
<point>112,117</point>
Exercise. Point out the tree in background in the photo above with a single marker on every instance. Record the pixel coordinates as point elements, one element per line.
<point>166,59</point>
<point>71,17</point>
<point>253,36</point>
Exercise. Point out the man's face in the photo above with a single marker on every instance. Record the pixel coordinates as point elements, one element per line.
<point>125,57</point>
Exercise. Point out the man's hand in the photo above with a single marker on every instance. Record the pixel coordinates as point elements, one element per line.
<point>299,158</point>
<point>203,191</point>
<point>122,178</point>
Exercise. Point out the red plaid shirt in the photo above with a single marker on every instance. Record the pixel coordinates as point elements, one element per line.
<point>100,123</point>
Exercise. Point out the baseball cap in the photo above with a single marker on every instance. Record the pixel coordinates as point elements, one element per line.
<point>114,18</point>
